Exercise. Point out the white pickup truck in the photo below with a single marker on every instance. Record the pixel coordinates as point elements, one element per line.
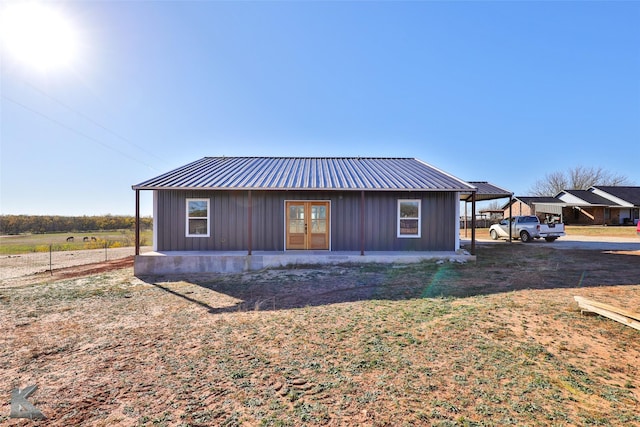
<point>526,228</point>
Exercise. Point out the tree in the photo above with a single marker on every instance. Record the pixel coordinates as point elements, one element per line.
<point>16,224</point>
<point>577,178</point>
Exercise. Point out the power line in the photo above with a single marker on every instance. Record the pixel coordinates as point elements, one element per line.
<point>86,117</point>
<point>89,137</point>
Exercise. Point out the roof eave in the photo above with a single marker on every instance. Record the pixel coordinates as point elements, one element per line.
<point>159,188</point>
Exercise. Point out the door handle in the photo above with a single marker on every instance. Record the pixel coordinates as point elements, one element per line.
<point>305,229</point>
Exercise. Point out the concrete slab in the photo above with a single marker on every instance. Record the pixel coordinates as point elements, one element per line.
<point>151,263</point>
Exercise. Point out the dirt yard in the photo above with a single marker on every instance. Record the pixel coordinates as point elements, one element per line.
<point>15,268</point>
<point>498,342</point>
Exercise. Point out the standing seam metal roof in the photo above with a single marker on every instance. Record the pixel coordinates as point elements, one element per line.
<point>487,191</point>
<point>307,173</point>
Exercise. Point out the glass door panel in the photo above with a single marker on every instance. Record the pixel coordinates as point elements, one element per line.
<point>296,227</point>
<point>307,225</point>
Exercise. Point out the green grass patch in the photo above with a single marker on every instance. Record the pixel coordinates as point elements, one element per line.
<point>29,243</point>
<point>601,230</point>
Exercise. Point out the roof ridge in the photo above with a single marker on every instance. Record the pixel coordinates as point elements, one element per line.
<point>309,157</point>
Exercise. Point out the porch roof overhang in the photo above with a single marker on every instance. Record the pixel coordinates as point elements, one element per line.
<point>551,208</point>
<point>485,191</point>
<point>556,208</point>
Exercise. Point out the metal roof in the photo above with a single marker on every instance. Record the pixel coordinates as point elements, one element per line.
<point>486,191</point>
<point>307,173</point>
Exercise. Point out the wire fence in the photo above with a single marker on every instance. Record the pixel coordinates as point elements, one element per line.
<point>15,266</point>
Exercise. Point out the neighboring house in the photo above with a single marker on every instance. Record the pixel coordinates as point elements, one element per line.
<point>584,207</point>
<point>599,205</point>
<point>531,205</point>
<point>626,200</point>
<point>306,204</point>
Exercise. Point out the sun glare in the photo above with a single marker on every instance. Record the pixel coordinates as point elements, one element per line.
<point>38,35</point>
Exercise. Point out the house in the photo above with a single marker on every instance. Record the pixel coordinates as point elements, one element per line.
<point>627,199</point>
<point>254,207</point>
<point>602,205</point>
<point>532,205</point>
<point>598,205</point>
<point>584,207</point>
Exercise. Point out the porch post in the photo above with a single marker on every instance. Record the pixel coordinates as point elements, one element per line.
<point>138,222</point>
<point>362,223</point>
<point>510,215</point>
<point>473,223</point>
<point>250,219</point>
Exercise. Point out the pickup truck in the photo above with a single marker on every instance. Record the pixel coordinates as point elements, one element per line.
<point>526,228</point>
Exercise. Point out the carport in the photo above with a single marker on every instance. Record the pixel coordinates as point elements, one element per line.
<point>551,208</point>
<point>485,191</point>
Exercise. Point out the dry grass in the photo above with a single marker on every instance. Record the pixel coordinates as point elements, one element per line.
<point>497,343</point>
<point>603,231</point>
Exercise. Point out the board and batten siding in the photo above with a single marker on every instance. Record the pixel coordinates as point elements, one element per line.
<point>229,220</point>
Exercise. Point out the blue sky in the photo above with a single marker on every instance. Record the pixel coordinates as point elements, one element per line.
<point>498,91</point>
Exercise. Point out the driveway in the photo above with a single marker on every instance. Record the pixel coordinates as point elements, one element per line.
<point>575,242</point>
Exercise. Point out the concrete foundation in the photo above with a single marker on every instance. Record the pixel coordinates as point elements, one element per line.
<point>152,263</point>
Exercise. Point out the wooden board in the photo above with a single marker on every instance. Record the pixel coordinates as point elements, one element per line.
<point>618,314</point>
<point>609,307</point>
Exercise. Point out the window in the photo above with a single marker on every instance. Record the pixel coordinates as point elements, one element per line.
<point>197,218</point>
<point>409,218</point>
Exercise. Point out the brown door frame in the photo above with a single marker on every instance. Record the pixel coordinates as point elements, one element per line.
<point>307,203</point>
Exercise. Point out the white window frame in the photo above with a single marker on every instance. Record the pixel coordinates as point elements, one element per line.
<point>187,218</point>
<point>419,218</point>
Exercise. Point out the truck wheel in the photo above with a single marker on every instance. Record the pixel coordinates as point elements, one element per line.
<point>525,237</point>
<point>494,234</point>
<point>550,239</point>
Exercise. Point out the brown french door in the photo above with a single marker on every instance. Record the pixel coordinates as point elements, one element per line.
<point>307,225</point>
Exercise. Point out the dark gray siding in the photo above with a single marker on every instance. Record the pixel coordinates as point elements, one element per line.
<point>229,220</point>
<point>438,222</point>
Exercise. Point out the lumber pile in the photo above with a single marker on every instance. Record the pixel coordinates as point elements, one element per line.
<point>618,314</point>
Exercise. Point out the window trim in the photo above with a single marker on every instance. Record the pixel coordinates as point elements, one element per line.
<point>187,217</point>
<point>419,218</point>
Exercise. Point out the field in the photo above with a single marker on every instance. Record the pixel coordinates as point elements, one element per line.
<point>496,343</point>
<point>598,230</point>
<point>27,243</point>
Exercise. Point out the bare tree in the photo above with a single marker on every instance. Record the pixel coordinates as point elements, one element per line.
<point>577,178</point>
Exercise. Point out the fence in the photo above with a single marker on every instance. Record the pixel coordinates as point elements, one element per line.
<point>480,223</point>
<point>14,266</point>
